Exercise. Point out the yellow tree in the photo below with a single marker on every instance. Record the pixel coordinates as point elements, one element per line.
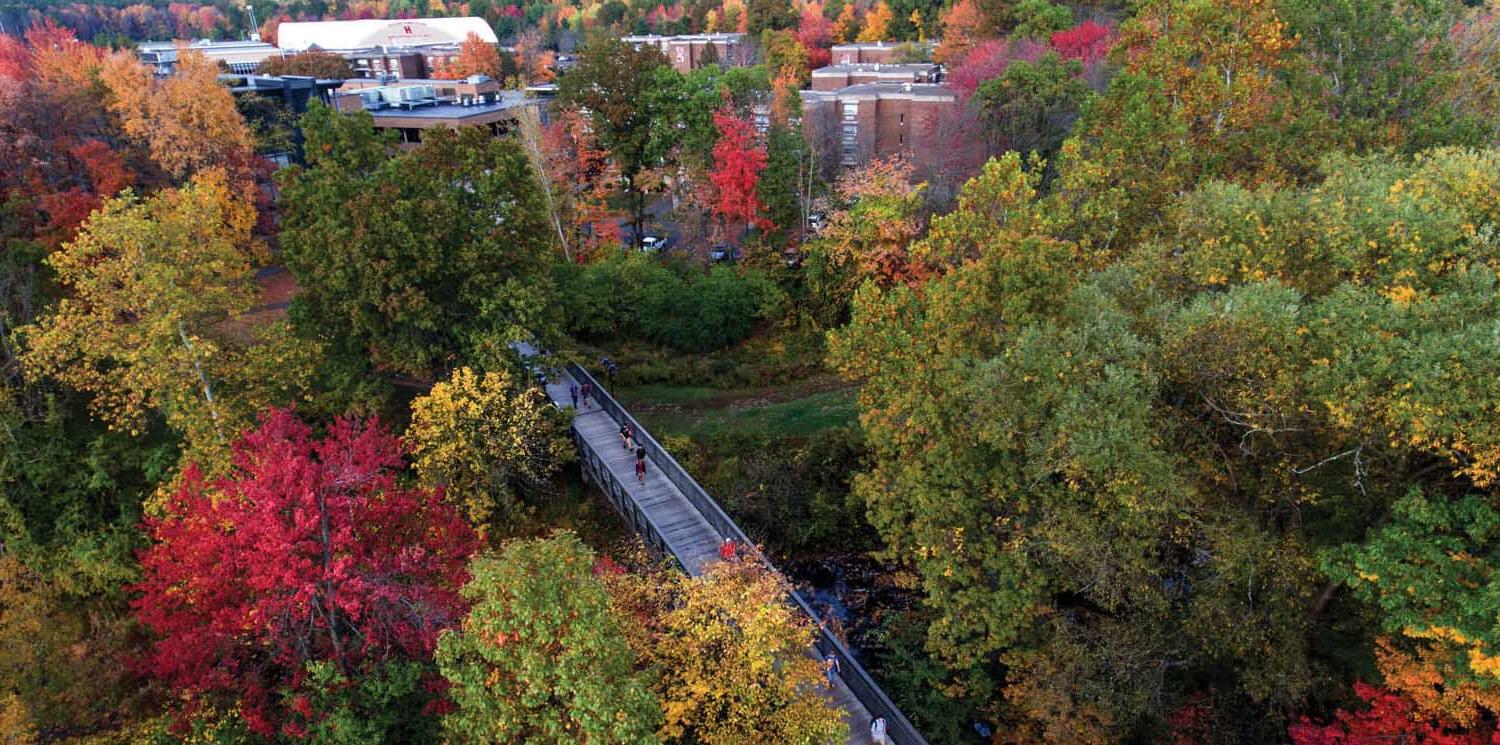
<point>733,656</point>
<point>154,291</point>
<point>188,121</point>
<point>877,23</point>
<point>846,27</point>
<point>487,439</point>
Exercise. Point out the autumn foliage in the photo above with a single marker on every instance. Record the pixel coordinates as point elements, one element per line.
<point>475,57</point>
<point>738,161</point>
<point>309,551</point>
<point>1389,718</point>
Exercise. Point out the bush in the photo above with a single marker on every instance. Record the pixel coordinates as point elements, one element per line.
<point>636,296</point>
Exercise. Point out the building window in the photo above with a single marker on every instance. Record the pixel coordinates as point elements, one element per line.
<point>902,118</point>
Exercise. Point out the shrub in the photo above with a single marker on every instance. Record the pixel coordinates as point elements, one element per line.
<point>638,297</point>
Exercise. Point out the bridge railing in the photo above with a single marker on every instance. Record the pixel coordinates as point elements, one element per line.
<point>898,728</point>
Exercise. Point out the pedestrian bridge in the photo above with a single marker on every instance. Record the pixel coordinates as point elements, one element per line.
<point>676,517</point>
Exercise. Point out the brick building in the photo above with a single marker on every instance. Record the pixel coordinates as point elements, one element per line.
<point>402,62</point>
<point>688,52</point>
<point>857,123</point>
<point>834,77</point>
<point>882,52</point>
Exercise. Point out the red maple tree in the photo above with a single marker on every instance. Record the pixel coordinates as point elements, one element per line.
<point>1391,718</point>
<point>1087,42</point>
<point>738,161</point>
<point>989,60</point>
<point>308,551</point>
<point>815,34</point>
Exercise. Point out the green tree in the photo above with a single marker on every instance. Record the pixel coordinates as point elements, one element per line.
<point>411,262</point>
<point>1431,571</point>
<point>1208,90</point>
<point>1386,70</point>
<point>1031,107</point>
<point>539,658</point>
<point>768,15</point>
<point>1039,19</point>
<point>612,82</point>
<point>790,181</point>
<point>1081,463</point>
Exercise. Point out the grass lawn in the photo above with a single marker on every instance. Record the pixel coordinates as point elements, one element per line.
<point>705,414</point>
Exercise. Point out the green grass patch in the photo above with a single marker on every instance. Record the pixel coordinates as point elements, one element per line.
<point>798,417</point>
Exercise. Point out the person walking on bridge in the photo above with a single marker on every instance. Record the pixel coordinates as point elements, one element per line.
<point>640,467</point>
<point>625,436</point>
<point>877,732</point>
<point>588,394</point>
<point>573,394</point>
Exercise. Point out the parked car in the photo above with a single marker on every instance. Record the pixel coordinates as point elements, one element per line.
<point>653,244</point>
<point>723,252</point>
<point>816,221</point>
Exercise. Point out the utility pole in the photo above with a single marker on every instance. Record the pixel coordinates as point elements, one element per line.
<point>254,27</point>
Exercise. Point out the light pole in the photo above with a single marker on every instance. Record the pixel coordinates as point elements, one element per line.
<point>254,27</point>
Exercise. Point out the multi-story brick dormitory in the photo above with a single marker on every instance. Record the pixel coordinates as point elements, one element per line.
<point>858,123</point>
<point>689,52</point>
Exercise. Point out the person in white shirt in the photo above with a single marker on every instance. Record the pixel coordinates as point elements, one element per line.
<point>877,731</point>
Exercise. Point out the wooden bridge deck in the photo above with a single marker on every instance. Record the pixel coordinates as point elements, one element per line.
<point>689,536</point>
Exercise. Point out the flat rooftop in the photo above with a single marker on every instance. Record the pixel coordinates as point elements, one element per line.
<point>848,67</point>
<point>926,91</point>
<point>448,111</point>
<point>643,38</point>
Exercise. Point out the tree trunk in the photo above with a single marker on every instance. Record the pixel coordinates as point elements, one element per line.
<point>531,127</point>
<point>208,389</point>
<point>330,609</point>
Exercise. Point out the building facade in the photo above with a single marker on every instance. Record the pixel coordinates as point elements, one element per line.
<point>402,62</point>
<point>690,51</point>
<point>858,123</point>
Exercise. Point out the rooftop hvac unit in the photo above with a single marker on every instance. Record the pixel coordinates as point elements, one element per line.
<point>477,79</point>
<point>415,93</point>
<point>371,98</point>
